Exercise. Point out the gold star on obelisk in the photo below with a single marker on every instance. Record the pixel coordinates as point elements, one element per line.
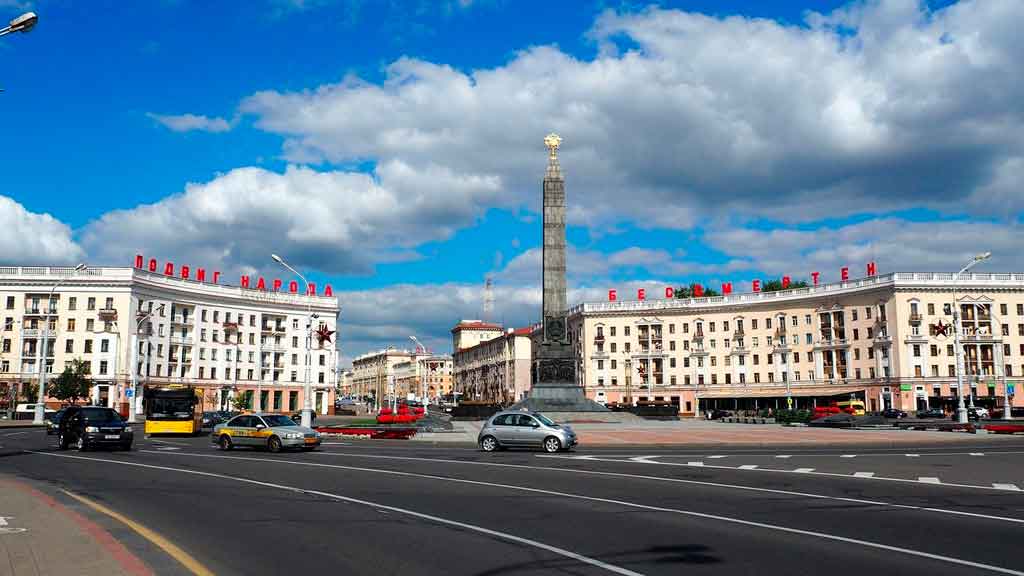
<point>553,141</point>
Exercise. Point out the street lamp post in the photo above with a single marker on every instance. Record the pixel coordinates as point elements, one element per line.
<point>134,408</point>
<point>41,400</point>
<point>22,23</point>
<point>307,401</point>
<point>961,410</point>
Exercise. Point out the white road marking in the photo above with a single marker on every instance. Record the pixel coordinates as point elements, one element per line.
<point>694,463</point>
<point>784,456</point>
<point>929,480</point>
<point>718,456</point>
<point>168,448</point>
<point>15,434</point>
<point>155,441</point>
<point>676,481</point>
<point>592,561</point>
<point>804,470</point>
<point>756,469</point>
<point>912,455</point>
<point>644,459</point>
<point>379,507</point>
<point>977,453</point>
<point>1005,486</point>
<point>5,530</point>
<point>748,467</point>
<point>863,474</point>
<point>848,456</point>
<point>335,443</point>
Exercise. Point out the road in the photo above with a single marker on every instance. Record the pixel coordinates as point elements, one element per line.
<point>371,507</point>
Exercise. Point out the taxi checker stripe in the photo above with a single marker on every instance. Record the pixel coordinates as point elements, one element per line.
<point>437,519</point>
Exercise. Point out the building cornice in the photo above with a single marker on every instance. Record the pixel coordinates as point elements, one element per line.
<point>896,281</point>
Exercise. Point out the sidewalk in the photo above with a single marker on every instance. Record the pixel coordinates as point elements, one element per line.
<point>704,433</point>
<point>4,423</point>
<point>39,536</point>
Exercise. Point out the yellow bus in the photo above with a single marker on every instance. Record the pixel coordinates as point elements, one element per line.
<point>855,407</point>
<point>172,410</point>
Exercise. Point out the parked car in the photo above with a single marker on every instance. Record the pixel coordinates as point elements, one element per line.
<point>28,412</point>
<point>297,417</point>
<point>893,413</point>
<point>52,421</point>
<point>972,414</point>
<point>211,419</point>
<point>930,413</point>
<point>513,428</point>
<point>85,427</point>
<point>719,414</point>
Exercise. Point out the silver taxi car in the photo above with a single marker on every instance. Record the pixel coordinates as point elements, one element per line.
<point>275,432</point>
<point>514,428</point>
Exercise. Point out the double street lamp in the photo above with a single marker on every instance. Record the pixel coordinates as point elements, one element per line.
<point>45,333</point>
<point>22,23</point>
<point>307,401</point>
<point>961,410</point>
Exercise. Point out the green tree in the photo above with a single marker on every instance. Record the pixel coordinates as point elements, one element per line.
<point>242,401</point>
<point>72,384</point>
<point>684,292</point>
<point>775,285</point>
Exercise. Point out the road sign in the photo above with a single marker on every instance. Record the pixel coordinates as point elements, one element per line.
<point>1010,389</point>
<point>129,393</point>
<point>789,401</point>
<point>906,388</point>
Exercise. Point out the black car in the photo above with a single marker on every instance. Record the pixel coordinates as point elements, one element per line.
<point>297,417</point>
<point>931,413</point>
<point>86,427</point>
<point>211,419</point>
<point>53,421</point>
<point>893,413</point>
<point>972,414</point>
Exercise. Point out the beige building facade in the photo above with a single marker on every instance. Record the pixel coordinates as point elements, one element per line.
<point>373,373</point>
<point>887,340</point>
<point>469,333</point>
<point>424,376</point>
<point>224,340</point>
<point>495,370</point>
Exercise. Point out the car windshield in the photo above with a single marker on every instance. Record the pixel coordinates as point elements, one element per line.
<point>544,419</point>
<point>100,415</point>
<point>278,420</point>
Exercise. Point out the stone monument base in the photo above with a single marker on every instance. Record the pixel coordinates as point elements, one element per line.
<point>565,398</point>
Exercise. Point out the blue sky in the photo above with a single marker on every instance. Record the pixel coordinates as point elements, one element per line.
<point>394,149</point>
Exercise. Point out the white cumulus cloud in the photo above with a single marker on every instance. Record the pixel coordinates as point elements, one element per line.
<point>191,122</point>
<point>34,239</point>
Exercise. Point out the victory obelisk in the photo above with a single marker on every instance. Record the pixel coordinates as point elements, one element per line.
<point>555,388</point>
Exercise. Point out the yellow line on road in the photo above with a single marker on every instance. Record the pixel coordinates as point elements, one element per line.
<point>190,563</point>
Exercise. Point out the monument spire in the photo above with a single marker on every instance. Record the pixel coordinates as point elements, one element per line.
<point>554,304</point>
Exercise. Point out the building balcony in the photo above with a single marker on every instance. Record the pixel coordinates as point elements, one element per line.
<point>107,314</point>
<point>830,344</point>
<point>37,311</point>
<point>38,333</point>
<point>915,319</point>
<point>739,350</point>
<point>183,320</point>
<point>698,352</point>
<point>698,338</point>
<point>599,355</point>
<point>739,333</point>
<point>183,340</point>
<point>882,340</point>
<point>915,338</point>
<point>274,328</point>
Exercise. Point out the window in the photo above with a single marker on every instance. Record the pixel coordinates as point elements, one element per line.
<point>934,350</point>
<point>757,359</point>
<point>757,377</point>
<point>104,345</point>
<point>713,361</point>
<point>711,326</point>
<point>213,354</point>
<point>10,302</point>
<point>796,357</point>
<point>935,370</point>
<point>728,379</point>
<point>1020,309</point>
<point>294,376</point>
<point>8,323</point>
<point>871,353</point>
<point>809,338</point>
<point>856,334</point>
<point>109,304</point>
<point>807,320</point>
<point>213,372</point>
<point>202,371</point>
<point>671,362</point>
<point>917,350</point>
<point>627,347</point>
<point>103,366</point>
<point>216,316</point>
<point>1006,330</point>
<point>755,341</point>
<point>771,358</point>
<point>853,314</point>
<point>949,349</point>
<point>743,378</point>
<point>88,346</point>
<point>951,369</point>
<point>202,353</point>
<point>216,336</point>
<point>323,360</point>
<point>856,353</point>
<point>725,326</point>
<point>1002,309</point>
<point>712,341</point>
<point>90,304</point>
<point>295,358</point>
<point>1020,329</point>
<point>611,331</point>
<point>947,309</point>
<point>69,346</point>
<point>71,324</point>
<point>686,362</point>
<point>6,345</point>
<point>714,378</point>
<point>917,371</point>
<point>600,364</point>
<point>753,323</point>
<point>295,342</point>
<point>202,335</point>
<point>615,364</point>
<point>90,325</point>
<point>1009,370</point>
<point>295,324</point>
<point>671,345</point>
<point>671,328</point>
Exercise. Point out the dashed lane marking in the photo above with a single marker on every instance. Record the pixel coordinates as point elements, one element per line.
<point>1005,486</point>
<point>644,459</point>
<point>863,474</point>
<point>912,455</point>
<point>848,456</point>
<point>717,456</point>
<point>4,529</point>
<point>784,456</point>
<point>803,470</point>
<point>929,480</point>
<point>748,467</point>
<point>977,453</point>
<point>782,471</point>
<point>437,519</point>
<point>694,463</point>
<point>591,561</point>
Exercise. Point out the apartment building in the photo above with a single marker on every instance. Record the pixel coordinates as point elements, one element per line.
<point>496,369</point>
<point>887,340</point>
<point>224,340</point>
<point>424,375</point>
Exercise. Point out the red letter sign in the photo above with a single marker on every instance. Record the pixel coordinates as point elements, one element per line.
<point>814,276</point>
<point>138,261</point>
<point>844,273</point>
<point>611,295</point>
<point>184,272</point>
<point>293,287</point>
<point>328,291</point>
<point>311,289</point>
<point>669,293</point>
<point>871,269</point>
<point>698,291</point>
<point>277,284</point>
<point>201,275</point>
<point>260,284</point>
<point>245,281</point>
<point>726,288</point>
<point>785,282</point>
<point>169,269</point>
<point>152,264</point>
<point>757,285</point>
<point>216,277</point>
<point>641,294</point>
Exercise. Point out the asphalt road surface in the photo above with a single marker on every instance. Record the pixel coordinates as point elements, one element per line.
<point>371,507</point>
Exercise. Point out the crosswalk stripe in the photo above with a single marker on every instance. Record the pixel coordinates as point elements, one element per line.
<point>804,470</point>
<point>929,480</point>
<point>748,466</point>
<point>1005,486</point>
<point>863,474</point>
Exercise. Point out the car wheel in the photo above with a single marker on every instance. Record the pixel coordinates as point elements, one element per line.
<point>225,443</point>
<point>488,443</point>
<point>62,442</point>
<point>274,444</point>
<point>551,444</point>
<point>81,444</point>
